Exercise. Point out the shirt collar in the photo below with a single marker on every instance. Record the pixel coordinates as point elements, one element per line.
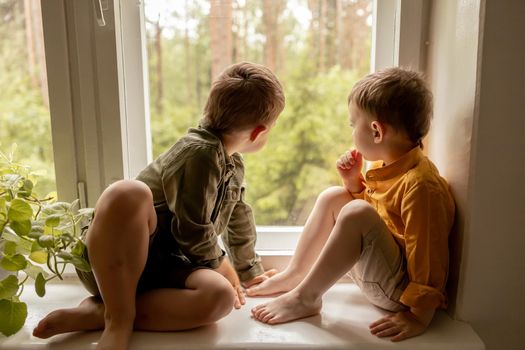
<point>400,166</point>
<point>210,134</point>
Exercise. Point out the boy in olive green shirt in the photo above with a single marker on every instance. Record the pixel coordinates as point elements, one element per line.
<point>152,244</point>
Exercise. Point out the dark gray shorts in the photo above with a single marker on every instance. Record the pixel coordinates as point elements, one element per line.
<point>156,275</point>
<point>161,270</point>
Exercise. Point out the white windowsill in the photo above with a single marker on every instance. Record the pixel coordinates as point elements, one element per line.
<point>342,324</point>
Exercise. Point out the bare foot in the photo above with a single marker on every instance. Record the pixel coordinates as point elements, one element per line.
<point>88,315</point>
<point>281,282</point>
<point>288,307</point>
<point>115,338</point>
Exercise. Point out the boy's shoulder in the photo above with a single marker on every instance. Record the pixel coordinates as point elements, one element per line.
<point>197,145</point>
<point>425,176</point>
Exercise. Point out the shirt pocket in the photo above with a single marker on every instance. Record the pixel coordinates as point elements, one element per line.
<point>231,198</point>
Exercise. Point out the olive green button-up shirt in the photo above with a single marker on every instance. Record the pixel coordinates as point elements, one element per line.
<point>198,193</point>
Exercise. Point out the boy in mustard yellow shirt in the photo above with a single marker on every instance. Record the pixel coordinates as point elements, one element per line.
<point>389,229</point>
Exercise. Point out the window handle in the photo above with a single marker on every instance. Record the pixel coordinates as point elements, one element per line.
<point>99,11</point>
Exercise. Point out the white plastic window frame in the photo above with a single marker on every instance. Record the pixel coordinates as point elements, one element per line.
<point>98,83</point>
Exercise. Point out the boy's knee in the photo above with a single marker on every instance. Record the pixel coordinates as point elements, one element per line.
<point>359,211</point>
<point>332,193</point>
<point>220,301</point>
<point>125,196</point>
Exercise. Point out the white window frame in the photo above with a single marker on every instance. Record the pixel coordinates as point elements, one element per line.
<point>97,140</point>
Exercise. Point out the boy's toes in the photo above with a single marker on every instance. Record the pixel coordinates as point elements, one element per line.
<point>267,317</point>
<point>257,308</point>
<point>252,291</point>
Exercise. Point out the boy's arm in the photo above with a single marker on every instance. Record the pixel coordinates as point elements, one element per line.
<point>191,193</point>
<point>240,235</point>
<point>427,211</point>
<point>349,167</point>
<point>239,240</point>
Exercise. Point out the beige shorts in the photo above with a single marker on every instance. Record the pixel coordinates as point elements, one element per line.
<point>380,271</point>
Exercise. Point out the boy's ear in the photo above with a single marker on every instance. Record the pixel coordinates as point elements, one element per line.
<point>256,132</point>
<point>378,131</point>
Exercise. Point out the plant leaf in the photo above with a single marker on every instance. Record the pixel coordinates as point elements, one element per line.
<point>53,220</point>
<point>40,285</point>
<point>8,287</point>
<point>22,228</point>
<point>24,246</point>
<point>13,263</point>
<point>78,249</point>
<point>14,315</point>
<point>65,255</point>
<point>10,235</point>
<point>39,256</point>
<point>46,241</point>
<point>26,189</point>
<point>86,211</point>
<point>80,263</point>
<point>19,210</point>
<point>3,208</point>
<point>9,248</point>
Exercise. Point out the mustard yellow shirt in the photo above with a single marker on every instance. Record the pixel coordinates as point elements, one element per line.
<point>416,204</point>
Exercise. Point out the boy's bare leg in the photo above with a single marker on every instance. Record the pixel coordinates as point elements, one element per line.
<point>313,238</point>
<point>117,241</point>
<point>340,253</point>
<point>208,298</point>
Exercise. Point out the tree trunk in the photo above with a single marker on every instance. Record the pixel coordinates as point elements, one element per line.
<point>272,10</point>
<point>220,22</point>
<point>31,60</point>
<point>313,6</point>
<point>35,48</point>
<point>356,34</point>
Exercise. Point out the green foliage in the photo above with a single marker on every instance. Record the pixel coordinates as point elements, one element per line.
<point>299,160</point>
<point>38,238</point>
<point>284,179</point>
<point>24,116</point>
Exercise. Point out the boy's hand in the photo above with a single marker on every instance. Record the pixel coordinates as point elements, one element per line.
<point>349,168</point>
<point>227,270</point>
<point>402,325</point>
<point>258,279</point>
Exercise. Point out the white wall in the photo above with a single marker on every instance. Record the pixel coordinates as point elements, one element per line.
<point>476,64</point>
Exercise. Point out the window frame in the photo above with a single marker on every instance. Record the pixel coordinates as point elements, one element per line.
<point>97,141</point>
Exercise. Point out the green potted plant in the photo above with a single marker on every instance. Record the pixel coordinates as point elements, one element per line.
<point>39,236</point>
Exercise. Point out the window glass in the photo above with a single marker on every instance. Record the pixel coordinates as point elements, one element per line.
<point>24,102</point>
<point>317,48</point>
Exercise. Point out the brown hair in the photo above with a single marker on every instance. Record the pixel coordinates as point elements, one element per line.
<point>244,95</point>
<point>398,97</point>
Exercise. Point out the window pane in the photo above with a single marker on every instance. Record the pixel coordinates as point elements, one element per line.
<point>24,102</point>
<point>317,48</point>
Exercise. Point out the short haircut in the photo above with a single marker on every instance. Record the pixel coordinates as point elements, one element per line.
<point>398,97</point>
<point>244,95</point>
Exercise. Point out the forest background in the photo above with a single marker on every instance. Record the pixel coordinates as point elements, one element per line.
<point>317,48</point>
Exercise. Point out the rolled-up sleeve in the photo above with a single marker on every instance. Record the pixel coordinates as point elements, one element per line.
<point>427,218</point>
<point>239,239</point>
<point>191,195</point>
